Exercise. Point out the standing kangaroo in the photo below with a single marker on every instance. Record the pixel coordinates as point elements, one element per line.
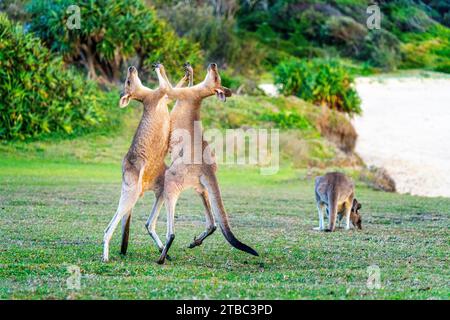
<point>151,222</point>
<point>336,192</point>
<point>185,174</point>
<point>143,166</point>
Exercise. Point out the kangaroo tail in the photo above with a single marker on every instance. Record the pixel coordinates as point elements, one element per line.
<point>218,209</point>
<point>332,208</point>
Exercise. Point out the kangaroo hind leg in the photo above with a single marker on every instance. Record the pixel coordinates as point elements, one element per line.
<point>150,225</point>
<point>126,220</point>
<point>171,194</point>
<point>210,224</point>
<point>131,189</point>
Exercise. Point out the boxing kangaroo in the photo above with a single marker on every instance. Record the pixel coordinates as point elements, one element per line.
<point>185,171</point>
<point>151,222</point>
<point>143,166</point>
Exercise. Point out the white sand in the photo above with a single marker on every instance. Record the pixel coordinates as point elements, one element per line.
<point>405,128</point>
<point>269,89</point>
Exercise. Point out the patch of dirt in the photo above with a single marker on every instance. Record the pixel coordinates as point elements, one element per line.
<point>378,179</point>
<point>338,129</point>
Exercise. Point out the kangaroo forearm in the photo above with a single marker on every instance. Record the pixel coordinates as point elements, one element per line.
<point>181,82</point>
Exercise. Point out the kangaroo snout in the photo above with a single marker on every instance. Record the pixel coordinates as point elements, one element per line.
<point>132,69</point>
<point>212,66</point>
<point>156,65</point>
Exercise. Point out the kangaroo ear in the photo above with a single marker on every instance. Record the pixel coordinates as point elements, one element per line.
<point>220,94</point>
<point>356,204</point>
<point>227,91</point>
<point>124,100</point>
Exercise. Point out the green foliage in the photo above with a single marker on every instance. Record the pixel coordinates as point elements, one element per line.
<point>110,33</point>
<point>324,29</point>
<point>216,34</point>
<point>429,50</point>
<point>229,81</point>
<point>347,34</point>
<point>14,9</point>
<point>261,111</point>
<point>304,125</point>
<point>38,94</point>
<point>381,49</point>
<point>213,33</point>
<point>322,82</point>
<point>407,16</point>
<point>287,120</point>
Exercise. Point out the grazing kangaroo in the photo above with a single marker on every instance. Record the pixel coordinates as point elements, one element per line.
<point>201,176</point>
<point>336,192</point>
<point>143,166</point>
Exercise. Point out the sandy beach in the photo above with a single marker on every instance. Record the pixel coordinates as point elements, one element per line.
<point>405,128</point>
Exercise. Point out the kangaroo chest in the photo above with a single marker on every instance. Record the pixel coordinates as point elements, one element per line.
<point>150,145</point>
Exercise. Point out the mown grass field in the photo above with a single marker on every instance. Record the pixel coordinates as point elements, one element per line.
<point>54,208</point>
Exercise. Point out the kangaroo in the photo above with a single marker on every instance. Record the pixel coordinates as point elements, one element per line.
<point>151,222</point>
<point>185,174</point>
<point>355,216</point>
<point>143,166</point>
<point>336,192</point>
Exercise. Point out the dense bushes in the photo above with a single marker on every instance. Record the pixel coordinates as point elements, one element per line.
<point>217,35</point>
<point>338,29</point>
<point>37,94</point>
<point>427,50</point>
<point>323,82</point>
<point>287,120</point>
<point>110,33</point>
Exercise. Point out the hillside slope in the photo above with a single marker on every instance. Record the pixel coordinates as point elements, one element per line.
<point>310,136</point>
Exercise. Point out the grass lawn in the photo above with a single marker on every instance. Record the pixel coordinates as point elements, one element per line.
<point>53,213</point>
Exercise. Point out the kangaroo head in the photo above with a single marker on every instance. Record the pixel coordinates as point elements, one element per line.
<point>355,216</point>
<point>212,81</point>
<point>131,88</point>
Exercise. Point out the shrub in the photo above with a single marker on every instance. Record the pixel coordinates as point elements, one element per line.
<point>428,50</point>
<point>346,34</point>
<point>322,82</point>
<point>14,9</point>
<point>338,28</point>
<point>407,16</point>
<point>287,120</point>
<point>110,33</point>
<point>217,35</point>
<point>381,49</point>
<point>38,95</point>
<point>214,33</point>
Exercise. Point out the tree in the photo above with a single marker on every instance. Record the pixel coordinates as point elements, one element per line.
<point>109,34</point>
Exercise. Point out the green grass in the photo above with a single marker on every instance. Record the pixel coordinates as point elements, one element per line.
<point>54,208</point>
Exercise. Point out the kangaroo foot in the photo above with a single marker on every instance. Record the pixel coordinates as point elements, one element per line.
<point>163,256</point>
<point>198,241</point>
<point>167,256</point>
